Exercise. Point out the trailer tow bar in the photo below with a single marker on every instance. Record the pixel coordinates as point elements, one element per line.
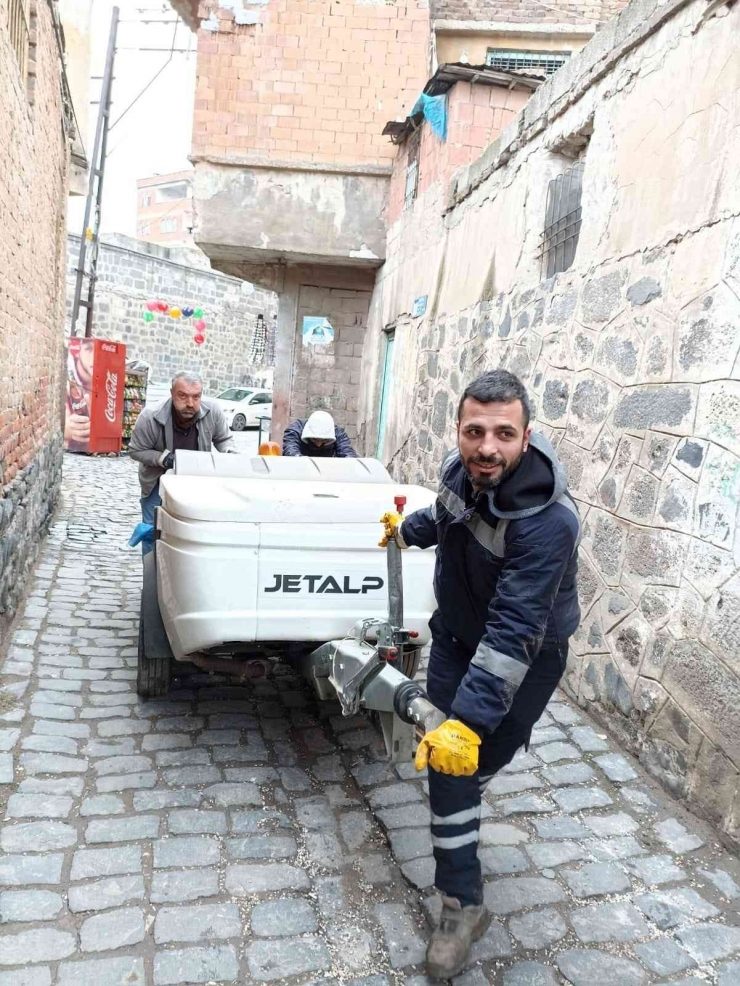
<point>362,673</point>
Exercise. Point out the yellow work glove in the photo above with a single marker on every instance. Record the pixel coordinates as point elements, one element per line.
<point>451,748</point>
<point>391,522</point>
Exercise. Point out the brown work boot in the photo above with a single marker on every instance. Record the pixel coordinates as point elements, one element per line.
<point>453,937</point>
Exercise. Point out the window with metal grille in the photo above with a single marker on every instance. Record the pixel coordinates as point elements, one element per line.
<point>412,181</point>
<point>559,240</point>
<point>506,60</point>
<point>168,225</point>
<point>18,21</point>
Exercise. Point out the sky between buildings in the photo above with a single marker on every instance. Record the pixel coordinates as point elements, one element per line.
<point>154,136</point>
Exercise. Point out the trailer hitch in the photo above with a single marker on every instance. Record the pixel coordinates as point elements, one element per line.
<point>363,670</point>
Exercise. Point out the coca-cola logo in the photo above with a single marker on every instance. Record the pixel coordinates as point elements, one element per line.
<point>111,390</point>
<point>108,348</point>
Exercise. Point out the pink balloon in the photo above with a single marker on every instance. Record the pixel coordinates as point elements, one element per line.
<point>152,306</point>
<point>199,324</point>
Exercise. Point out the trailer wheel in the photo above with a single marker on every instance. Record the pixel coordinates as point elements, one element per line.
<point>410,661</point>
<point>153,674</point>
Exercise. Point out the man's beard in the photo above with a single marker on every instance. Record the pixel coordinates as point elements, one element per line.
<point>484,483</point>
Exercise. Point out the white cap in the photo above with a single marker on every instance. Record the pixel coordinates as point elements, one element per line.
<point>319,425</point>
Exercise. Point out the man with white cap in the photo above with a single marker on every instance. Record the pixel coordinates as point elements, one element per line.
<point>317,437</point>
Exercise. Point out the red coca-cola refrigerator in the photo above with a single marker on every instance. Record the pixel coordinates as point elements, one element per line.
<point>96,375</point>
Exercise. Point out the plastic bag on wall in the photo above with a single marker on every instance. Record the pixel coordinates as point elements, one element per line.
<point>434,109</point>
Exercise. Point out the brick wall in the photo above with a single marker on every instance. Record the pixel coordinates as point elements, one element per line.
<point>476,115</point>
<point>328,377</point>
<point>310,80</point>
<point>127,279</point>
<point>33,188</point>
<point>527,11</point>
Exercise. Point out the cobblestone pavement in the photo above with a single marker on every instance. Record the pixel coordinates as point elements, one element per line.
<point>246,834</point>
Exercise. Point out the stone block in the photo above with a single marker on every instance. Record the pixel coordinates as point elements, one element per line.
<point>405,945</point>
<point>709,942</point>
<point>115,929</point>
<point>610,922</point>
<point>257,878</point>
<point>595,879</point>
<point>588,966</point>
<point>288,916</point>
<point>572,799</point>
<point>656,870</point>
<point>177,886</point>
<point>538,929</point>
<point>593,399</point>
<point>201,922</point>
<point>670,908</point>
<point>29,905</point>
<point>660,407</point>
<point>102,894</point>
<point>124,971</point>
<point>619,352</point>
<point>270,960</point>
<point>708,692</point>
<point>196,965</point>
<point>510,894</point>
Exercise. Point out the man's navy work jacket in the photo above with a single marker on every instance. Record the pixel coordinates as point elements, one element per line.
<point>505,575</point>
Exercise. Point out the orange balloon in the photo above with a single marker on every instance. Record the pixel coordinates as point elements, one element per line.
<point>269,448</point>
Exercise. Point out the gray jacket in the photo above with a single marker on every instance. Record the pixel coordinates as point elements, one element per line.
<point>152,438</point>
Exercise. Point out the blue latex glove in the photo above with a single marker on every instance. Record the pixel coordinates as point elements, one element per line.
<point>142,532</point>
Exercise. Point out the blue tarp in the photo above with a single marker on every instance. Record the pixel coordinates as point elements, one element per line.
<point>434,109</point>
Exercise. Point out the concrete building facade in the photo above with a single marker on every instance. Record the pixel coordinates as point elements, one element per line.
<point>36,134</point>
<point>630,350</point>
<point>131,273</point>
<point>292,168</point>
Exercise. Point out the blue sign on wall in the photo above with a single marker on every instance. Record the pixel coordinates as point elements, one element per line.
<point>420,306</point>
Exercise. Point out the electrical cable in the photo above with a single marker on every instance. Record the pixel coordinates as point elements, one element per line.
<point>151,81</point>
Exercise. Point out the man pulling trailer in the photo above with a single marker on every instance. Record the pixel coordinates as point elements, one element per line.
<point>506,534</point>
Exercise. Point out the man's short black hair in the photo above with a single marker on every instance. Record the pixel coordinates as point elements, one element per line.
<point>497,387</point>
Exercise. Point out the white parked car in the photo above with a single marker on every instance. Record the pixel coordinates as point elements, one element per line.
<point>157,393</point>
<point>244,406</point>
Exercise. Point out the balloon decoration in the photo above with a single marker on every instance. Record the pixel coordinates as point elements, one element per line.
<point>176,312</point>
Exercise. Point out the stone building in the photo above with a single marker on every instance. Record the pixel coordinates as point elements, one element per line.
<point>131,273</point>
<point>594,249</point>
<point>37,134</point>
<point>292,171</point>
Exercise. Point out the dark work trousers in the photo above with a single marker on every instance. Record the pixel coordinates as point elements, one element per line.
<point>456,801</point>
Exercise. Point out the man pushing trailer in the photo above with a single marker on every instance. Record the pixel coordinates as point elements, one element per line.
<point>506,532</point>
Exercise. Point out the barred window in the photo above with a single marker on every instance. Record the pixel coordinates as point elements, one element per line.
<point>506,60</point>
<point>168,225</point>
<point>18,26</point>
<point>559,240</point>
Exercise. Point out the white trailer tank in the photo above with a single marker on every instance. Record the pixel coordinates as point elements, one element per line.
<point>272,549</point>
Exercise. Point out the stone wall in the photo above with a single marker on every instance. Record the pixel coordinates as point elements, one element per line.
<point>632,360</point>
<point>33,188</point>
<point>128,278</point>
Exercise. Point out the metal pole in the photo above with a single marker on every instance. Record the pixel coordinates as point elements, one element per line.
<point>94,191</point>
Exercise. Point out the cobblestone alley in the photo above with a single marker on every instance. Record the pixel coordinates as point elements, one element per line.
<point>246,834</point>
